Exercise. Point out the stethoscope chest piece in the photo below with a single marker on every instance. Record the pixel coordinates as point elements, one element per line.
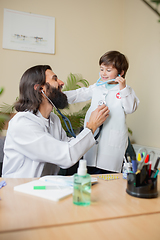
<point>101,102</point>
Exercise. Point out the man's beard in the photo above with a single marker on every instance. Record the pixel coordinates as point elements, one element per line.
<point>58,98</point>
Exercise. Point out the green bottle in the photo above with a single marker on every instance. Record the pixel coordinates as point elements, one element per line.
<point>82,186</point>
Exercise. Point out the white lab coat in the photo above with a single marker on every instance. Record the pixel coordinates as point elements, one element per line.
<point>111,146</point>
<point>36,146</point>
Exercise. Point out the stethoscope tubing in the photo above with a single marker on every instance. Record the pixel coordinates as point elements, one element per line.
<point>99,81</point>
<point>65,119</point>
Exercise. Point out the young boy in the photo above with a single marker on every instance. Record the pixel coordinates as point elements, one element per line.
<point>107,154</point>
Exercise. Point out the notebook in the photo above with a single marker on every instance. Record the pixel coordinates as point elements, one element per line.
<point>57,187</point>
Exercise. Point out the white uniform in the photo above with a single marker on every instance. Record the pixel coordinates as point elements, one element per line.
<point>34,146</point>
<point>112,143</point>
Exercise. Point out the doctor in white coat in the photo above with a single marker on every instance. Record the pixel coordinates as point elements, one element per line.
<point>36,143</point>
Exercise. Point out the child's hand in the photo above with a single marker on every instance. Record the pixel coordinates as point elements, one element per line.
<point>121,81</point>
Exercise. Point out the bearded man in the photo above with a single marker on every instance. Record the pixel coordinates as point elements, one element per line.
<point>36,144</point>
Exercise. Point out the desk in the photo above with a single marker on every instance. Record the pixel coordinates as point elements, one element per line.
<point>143,227</point>
<point>22,214</point>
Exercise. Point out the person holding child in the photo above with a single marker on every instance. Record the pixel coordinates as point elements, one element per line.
<point>107,154</point>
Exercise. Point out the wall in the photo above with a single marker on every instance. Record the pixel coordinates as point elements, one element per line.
<point>84,31</point>
<point>142,46</point>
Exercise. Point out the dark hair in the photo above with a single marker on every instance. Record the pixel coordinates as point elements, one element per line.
<point>29,98</point>
<point>116,59</point>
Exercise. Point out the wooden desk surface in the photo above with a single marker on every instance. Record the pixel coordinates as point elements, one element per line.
<point>130,228</point>
<point>20,211</point>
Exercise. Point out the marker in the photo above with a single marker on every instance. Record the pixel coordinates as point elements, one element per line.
<point>134,164</point>
<point>155,175</point>
<point>147,159</point>
<point>149,170</point>
<point>156,164</point>
<point>45,187</point>
<point>139,157</point>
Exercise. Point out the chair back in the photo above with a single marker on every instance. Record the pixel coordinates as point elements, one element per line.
<point>2,140</point>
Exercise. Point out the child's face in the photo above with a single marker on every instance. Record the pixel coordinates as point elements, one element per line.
<point>108,72</point>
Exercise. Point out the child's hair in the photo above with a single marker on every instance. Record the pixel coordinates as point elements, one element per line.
<point>116,59</point>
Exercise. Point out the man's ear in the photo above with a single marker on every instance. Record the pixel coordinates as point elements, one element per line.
<point>36,86</point>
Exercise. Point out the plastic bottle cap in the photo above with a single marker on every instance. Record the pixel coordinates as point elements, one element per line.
<point>82,170</point>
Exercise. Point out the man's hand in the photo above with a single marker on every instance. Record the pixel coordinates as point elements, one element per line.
<point>98,117</point>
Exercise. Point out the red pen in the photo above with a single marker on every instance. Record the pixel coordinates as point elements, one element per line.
<point>147,159</point>
<point>149,170</point>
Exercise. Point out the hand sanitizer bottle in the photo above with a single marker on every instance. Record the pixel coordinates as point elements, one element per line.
<point>82,186</point>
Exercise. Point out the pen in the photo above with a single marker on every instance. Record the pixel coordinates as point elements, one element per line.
<point>149,170</point>
<point>139,157</point>
<point>2,184</point>
<point>147,159</point>
<point>45,187</point>
<point>126,163</point>
<point>155,175</point>
<point>134,164</point>
<point>141,164</point>
<point>129,158</point>
<point>156,164</point>
<point>155,170</point>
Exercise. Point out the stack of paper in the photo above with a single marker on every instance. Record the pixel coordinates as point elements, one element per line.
<point>50,187</point>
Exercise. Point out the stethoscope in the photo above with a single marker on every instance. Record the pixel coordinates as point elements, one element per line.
<point>100,82</point>
<point>65,119</point>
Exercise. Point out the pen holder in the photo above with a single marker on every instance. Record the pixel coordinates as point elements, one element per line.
<point>139,185</point>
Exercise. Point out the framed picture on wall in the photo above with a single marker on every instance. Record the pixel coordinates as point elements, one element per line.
<point>28,32</point>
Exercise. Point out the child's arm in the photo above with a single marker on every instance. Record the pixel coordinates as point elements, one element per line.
<point>79,95</point>
<point>129,100</point>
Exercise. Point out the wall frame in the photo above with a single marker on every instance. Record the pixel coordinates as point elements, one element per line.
<point>28,32</point>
